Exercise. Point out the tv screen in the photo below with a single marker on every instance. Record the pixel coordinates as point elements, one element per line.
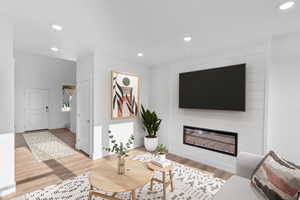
<point>219,88</point>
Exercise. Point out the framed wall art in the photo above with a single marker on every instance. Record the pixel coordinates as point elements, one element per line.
<point>125,95</point>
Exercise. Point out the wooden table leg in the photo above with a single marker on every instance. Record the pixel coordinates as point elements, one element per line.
<point>151,184</point>
<point>105,196</point>
<point>114,194</point>
<point>133,195</point>
<point>90,196</point>
<point>171,181</point>
<point>164,185</point>
<point>90,192</point>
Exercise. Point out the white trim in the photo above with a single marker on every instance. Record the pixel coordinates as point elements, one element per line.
<point>95,156</point>
<point>7,131</point>
<point>91,87</point>
<point>77,144</point>
<point>266,146</point>
<point>211,162</point>
<point>8,189</point>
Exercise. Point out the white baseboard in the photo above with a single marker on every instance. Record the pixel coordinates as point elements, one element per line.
<point>211,162</point>
<point>95,156</point>
<point>77,146</point>
<point>8,190</point>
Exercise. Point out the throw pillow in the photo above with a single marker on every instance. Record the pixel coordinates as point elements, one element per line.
<point>276,178</point>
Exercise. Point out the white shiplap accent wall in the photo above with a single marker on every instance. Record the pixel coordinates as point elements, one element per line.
<point>249,124</point>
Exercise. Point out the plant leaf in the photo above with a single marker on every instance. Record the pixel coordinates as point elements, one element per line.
<point>136,109</point>
<point>114,101</point>
<point>119,96</point>
<point>129,108</point>
<point>119,106</point>
<point>131,90</point>
<point>120,88</point>
<point>150,121</point>
<point>128,100</point>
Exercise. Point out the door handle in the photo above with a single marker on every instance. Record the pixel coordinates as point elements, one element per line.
<point>47,108</point>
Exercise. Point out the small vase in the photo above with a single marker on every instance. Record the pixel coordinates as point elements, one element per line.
<point>121,165</point>
<point>162,157</point>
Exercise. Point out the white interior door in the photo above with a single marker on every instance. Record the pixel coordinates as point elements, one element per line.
<point>36,109</point>
<point>83,117</point>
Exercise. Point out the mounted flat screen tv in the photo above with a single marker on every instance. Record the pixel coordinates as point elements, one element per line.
<point>222,88</point>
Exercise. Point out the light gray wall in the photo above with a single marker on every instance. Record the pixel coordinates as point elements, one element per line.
<point>284,96</point>
<point>102,98</point>
<point>73,113</point>
<point>249,125</point>
<point>42,72</point>
<point>85,68</point>
<point>7,139</point>
<point>271,79</point>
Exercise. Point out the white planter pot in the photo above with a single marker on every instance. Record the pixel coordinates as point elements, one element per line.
<point>150,143</point>
<point>162,157</point>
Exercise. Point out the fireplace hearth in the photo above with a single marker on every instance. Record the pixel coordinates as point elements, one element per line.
<point>215,140</point>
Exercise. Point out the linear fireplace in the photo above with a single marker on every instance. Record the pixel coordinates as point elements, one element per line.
<point>214,140</point>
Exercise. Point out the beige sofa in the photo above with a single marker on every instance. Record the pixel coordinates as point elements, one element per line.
<point>238,186</point>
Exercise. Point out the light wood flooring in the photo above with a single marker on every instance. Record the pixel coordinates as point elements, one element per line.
<point>32,175</point>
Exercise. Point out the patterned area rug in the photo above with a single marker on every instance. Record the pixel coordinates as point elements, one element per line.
<point>45,146</point>
<point>189,184</point>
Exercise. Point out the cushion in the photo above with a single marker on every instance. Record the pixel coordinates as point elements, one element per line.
<point>276,178</point>
<point>238,188</point>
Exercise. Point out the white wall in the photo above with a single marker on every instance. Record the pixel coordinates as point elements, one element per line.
<point>73,113</point>
<point>7,145</point>
<point>249,125</point>
<point>42,72</point>
<point>102,99</point>
<point>284,96</point>
<point>85,68</point>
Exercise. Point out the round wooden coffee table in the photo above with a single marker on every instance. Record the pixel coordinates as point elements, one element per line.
<point>106,178</point>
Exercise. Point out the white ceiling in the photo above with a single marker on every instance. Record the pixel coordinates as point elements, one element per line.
<point>123,28</point>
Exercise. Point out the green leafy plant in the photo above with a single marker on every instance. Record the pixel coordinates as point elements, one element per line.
<point>151,122</point>
<point>119,147</point>
<point>161,149</point>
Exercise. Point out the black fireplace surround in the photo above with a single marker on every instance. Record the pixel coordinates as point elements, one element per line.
<point>215,140</point>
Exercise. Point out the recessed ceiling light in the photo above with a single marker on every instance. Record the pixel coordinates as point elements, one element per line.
<point>57,27</point>
<point>140,54</point>
<point>286,5</point>
<point>187,38</point>
<point>55,49</point>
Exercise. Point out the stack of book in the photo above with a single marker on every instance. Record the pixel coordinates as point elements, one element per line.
<point>161,163</point>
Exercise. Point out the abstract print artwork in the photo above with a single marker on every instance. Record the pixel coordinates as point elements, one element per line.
<point>125,95</point>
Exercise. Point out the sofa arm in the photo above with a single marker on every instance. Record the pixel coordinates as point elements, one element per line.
<point>246,164</point>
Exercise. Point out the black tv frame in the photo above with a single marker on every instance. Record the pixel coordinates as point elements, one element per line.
<point>211,108</point>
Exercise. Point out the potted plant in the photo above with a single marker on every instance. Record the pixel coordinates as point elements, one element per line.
<point>161,151</point>
<point>121,150</point>
<point>151,124</point>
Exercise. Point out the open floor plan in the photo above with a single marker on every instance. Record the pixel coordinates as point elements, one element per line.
<point>149,100</point>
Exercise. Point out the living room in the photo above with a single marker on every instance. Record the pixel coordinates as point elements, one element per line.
<point>150,54</point>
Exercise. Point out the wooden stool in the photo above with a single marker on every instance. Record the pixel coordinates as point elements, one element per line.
<point>165,182</point>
